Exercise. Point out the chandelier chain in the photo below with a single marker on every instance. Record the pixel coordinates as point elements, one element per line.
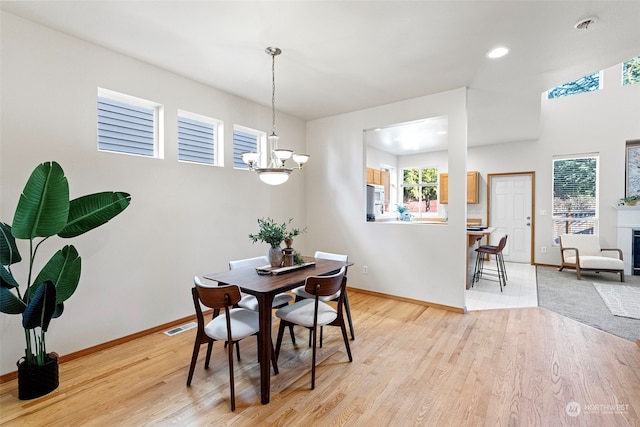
<point>273,94</point>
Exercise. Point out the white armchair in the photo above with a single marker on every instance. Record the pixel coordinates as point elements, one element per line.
<point>583,253</point>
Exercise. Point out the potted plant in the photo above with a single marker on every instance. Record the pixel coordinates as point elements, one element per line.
<point>629,201</point>
<point>274,234</point>
<point>43,211</point>
<point>403,213</point>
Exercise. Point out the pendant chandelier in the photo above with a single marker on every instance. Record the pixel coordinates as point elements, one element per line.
<point>271,168</point>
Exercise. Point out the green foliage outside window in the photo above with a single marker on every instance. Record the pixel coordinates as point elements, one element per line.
<point>631,71</point>
<point>420,185</point>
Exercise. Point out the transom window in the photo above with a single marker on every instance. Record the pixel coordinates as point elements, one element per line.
<point>575,196</point>
<point>198,139</point>
<point>583,84</point>
<point>631,71</point>
<point>420,190</point>
<point>246,139</point>
<point>129,125</point>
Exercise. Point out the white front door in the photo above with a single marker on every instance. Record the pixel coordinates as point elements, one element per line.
<point>510,212</point>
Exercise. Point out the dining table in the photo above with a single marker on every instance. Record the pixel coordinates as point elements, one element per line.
<point>264,287</point>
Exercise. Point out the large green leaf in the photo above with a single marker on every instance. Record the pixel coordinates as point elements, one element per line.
<point>8,250</point>
<point>6,278</point>
<point>9,302</point>
<point>63,269</point>
<point>93,210</point>
<point>40,307</point>
<point>43,207</point>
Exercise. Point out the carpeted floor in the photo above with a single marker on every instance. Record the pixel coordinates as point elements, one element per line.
<point>561,292</point>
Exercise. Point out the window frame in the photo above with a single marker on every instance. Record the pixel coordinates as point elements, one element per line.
<point>261,146</point>
<point>158,120</point>
<point>563,222</point>
<point>217,136</point>
<point>420,185</point>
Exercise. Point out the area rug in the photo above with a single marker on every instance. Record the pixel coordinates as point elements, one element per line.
<point>621,300</point>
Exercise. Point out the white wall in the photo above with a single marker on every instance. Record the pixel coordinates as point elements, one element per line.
<point>423,262</point>
<point>184,219</point>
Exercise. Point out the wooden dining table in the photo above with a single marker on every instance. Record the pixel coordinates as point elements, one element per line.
<point>265,287</point>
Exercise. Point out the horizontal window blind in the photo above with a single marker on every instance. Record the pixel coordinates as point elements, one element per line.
<point>196,141</point>
<point>242,142</point>
<point>126,128</point>
<point>575,198</point>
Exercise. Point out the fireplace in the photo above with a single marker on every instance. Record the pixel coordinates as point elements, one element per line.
<point>635,245</point>
<point>629,238</point>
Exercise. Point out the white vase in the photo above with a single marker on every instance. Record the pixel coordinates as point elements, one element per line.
<point>275,256</point>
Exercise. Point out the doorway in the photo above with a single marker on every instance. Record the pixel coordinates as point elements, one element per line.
<point>510,207</point>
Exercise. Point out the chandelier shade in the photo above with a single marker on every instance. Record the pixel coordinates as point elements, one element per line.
<point>272,168</point>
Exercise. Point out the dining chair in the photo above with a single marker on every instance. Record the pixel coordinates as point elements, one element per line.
<point>235,325</point>
<point>301,293</point>
<point>314,313</point>
<point>250,302</point>
<point>488,250</point>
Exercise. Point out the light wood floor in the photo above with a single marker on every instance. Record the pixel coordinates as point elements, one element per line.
<point>412,365</point>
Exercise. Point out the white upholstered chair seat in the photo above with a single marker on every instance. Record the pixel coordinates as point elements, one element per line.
<point>301,313</point>
<point>597,262</point>
<point>243,324</point>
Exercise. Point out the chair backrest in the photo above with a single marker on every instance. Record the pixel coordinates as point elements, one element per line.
<point>502,243</point>
<point>217,297</point>
<point>322,286</point>
<point>329,255</point>
<point>587,244</point>
<point>258,261</point>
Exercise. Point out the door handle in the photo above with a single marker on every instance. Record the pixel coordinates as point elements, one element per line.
<point>528,224</point>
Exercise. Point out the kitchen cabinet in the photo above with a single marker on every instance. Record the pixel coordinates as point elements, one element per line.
<point>472,187</point>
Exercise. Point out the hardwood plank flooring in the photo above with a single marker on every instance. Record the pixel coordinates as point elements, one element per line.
<point>413,365</point>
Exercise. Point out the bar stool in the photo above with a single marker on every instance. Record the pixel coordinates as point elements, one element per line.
<point>496,251</point>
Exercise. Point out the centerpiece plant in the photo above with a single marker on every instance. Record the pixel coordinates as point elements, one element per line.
<point>273,233</point>
<point>44,211</point>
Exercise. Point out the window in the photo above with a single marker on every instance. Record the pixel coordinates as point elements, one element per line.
<point>420,190</point>
<point>584,84</point>
<point>198,138</point>
<point>129,125</point>
<point>575,196</point>
<point>245,139</point>
<point>631,71</point>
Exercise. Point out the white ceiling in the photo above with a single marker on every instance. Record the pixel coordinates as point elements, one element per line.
<point>341,56</point>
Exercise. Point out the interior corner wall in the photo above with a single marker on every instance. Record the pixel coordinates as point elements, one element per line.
<point>185,219</point>
<point>418,261</point>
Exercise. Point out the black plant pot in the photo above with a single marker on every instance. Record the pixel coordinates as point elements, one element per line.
<point>36,381</point>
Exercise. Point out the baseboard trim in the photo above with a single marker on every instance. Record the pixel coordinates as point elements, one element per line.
<point>71,356</point>
<point>410,300</point>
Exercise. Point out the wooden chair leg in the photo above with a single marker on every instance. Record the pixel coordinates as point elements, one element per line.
<point>231,384</point>
<point>283,324</point>
<point>313,360</point>
<point>208,358</point>
<point>293,336</point>
<point>194,359</point>
<point>347,310</point>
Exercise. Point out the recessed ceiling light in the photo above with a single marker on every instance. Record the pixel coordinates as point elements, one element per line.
<point>497,52</point>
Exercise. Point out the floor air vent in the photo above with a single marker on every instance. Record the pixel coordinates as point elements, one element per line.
<point>177,330</point>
